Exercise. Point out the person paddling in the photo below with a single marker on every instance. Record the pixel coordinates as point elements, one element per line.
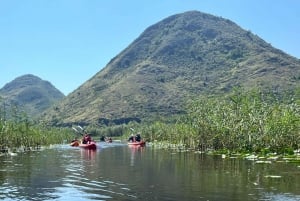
<point>131,138</point>
<point>138,137</point>
<point>86,139</point>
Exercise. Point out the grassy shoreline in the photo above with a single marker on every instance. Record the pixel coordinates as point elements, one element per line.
<point>241,122</point>
<point>253,122</point>
<point>26,135</point>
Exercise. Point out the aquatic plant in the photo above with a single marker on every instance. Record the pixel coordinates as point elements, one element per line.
<point>19,131</point>
<point>243,121</point>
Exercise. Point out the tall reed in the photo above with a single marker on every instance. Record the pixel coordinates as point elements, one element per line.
<point>17,130</point>
<point>243,121</point>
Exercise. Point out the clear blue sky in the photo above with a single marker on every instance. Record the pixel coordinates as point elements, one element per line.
<point>66,42</point>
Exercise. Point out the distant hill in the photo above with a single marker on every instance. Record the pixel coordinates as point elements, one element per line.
<point>178,58</point>
<point>30,94</point>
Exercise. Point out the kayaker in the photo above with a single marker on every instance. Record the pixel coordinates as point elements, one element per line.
<point>131,138</point>
<point>102,138</point>
<point>86,139</point>
<point>138,137</point>
<point>108,139</point>
<point>75,140</point>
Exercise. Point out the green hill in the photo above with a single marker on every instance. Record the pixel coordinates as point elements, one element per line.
<point>30,94</point>
<point>172,61</point>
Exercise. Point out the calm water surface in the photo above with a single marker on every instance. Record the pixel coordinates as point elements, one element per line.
<point>118,172</point>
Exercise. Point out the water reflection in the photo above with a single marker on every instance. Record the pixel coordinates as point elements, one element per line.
<point>136,151</point>
<point>118,172</point>
<point>88,154</point>
<point>30,175</point>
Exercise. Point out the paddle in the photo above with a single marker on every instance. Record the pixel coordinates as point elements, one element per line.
<point>89,139</point>
<point>77,131</point>
<point>80,128</point>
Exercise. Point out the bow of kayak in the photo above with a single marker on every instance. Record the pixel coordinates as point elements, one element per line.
<point>136,143</point>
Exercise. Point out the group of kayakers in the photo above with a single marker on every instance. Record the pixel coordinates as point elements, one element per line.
<point>135,138</point>
<point>86,139</point>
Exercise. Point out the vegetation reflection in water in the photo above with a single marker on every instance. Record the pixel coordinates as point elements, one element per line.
<point>117,172</point>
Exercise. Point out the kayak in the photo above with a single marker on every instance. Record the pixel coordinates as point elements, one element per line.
<point>75,144</point>
<point>136,143</point>
<point>108,141</point>
<point>91,145</point>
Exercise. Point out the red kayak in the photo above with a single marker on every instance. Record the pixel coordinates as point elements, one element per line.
<point>136,143</point>
<point>91,145</point>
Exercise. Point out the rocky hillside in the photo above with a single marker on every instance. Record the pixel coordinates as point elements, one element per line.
<point>30,94</point>
<point>178,58</point>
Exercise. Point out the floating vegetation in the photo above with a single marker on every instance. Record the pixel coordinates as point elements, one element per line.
<point>263,162</point>
<point>251,157</point>
<point>292,160</point>
<point>273,176</point>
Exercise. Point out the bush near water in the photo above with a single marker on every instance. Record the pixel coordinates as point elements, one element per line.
<point>20,132</point>
<point>253,121</point>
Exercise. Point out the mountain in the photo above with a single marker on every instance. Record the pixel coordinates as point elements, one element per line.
<point>30,94</point>
<point>178,58</point>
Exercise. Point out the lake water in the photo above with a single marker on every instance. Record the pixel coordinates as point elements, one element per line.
<point>117,172</point>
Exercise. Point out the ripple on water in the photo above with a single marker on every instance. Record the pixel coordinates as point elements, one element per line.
<point>71,192</point>
<point>80,188</point>
<point>281,197</point>
<point>8,192</point>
